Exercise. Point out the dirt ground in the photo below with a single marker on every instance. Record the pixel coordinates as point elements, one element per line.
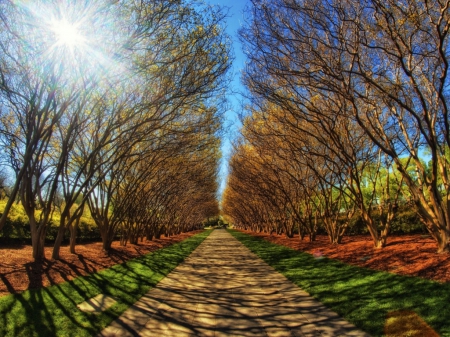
<point>413,255</point>
<point>18,272</point>
<point>406,255</point>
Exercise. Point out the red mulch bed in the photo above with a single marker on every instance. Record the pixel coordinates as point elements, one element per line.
<point>18,271</point>
<point>413,255</point>
<point>407,255</point>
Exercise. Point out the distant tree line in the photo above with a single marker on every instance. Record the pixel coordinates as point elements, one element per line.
<point>124,120</point>
<point>345,100</point>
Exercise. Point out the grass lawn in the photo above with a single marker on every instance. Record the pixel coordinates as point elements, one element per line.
<point>363,296</point>
<point>53,311</point>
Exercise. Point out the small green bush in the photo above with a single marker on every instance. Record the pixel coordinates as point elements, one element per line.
<point>16,229</point>
<point>19,229</point>
<point>406,221</point>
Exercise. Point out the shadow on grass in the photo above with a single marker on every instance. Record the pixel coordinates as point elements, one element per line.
<point>53,311</point>
<point>363,296</point>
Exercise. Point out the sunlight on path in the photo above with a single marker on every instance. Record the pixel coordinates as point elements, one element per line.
<point>222,289</point>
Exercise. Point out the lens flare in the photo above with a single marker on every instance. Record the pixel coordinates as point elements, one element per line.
<point>77,40</point>
<point>67,34</point>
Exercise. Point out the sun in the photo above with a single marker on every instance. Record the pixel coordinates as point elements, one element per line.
<point>67,34</point>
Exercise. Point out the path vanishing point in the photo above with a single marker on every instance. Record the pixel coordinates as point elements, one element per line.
<point>223,289</point>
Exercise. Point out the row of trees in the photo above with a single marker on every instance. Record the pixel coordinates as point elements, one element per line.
<point>114,106</point>
<point>346,98</point>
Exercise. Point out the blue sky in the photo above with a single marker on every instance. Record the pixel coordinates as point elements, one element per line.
<point>233,23</point>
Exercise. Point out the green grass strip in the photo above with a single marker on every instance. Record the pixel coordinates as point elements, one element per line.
<point>362,296</point>
<point>53,311</point>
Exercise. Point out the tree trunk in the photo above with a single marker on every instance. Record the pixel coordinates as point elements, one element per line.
<point>149,232</point>
<point>107,235</point>
<point>59,239</point>
<point>73,228</point>
<point>313,226</point>
<point>73,236</point>
<point>289,233</point>
<point>443,243</point>
<point>126,234</point>
<point>301,233</point>
<point>106,244</point>
<point>158,233</point>
<point>335,231</point>
<point>381,241</point>
<point>38,241</point>
<point>134,237</point>
<point>373,230</point>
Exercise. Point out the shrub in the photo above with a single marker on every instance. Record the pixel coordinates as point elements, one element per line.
<point>406,221</point>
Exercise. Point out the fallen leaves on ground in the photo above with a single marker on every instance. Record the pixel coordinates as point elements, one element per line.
<point>408,324</point>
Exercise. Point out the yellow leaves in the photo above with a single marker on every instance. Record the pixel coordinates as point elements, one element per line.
<point>216,30</point>
<point>199,29</point>
<point>315,99</point>
<point>153,68</point>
